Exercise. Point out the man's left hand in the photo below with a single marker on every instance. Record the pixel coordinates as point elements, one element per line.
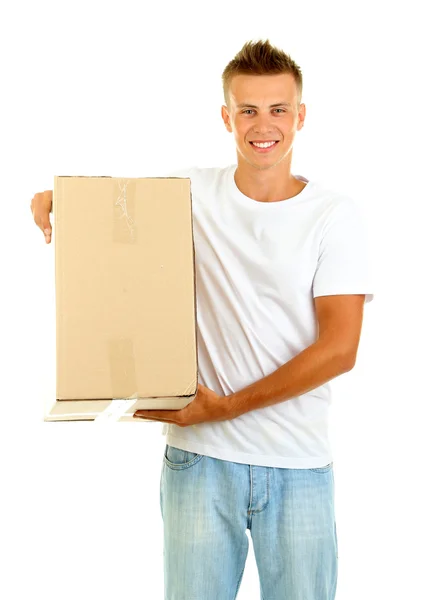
<point>206,406</point>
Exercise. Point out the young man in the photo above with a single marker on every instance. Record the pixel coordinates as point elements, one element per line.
<point>282,274</point>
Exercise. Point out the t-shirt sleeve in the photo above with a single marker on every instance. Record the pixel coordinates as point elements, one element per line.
<point>344,262</point>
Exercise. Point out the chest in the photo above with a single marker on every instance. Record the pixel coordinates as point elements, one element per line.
<point>269,254</point>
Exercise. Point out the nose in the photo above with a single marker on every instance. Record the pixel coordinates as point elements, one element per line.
<point>263,124</point>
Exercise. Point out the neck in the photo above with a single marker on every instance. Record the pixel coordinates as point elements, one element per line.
<point>270,184</point>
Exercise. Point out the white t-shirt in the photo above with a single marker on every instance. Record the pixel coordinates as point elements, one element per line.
<point>258,267</point>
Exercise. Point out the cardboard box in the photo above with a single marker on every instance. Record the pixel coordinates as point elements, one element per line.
<point>125,297</point>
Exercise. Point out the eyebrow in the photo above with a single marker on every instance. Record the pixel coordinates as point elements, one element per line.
<point>271,105</point>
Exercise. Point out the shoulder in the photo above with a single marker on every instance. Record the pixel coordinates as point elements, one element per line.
<point>343,218</point>
<point>332,211</point>
<point>334,204</point>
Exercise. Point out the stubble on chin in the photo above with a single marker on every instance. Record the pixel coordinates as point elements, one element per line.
<point>264,167</point>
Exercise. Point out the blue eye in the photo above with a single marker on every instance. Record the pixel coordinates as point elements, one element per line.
<point>247,110</point>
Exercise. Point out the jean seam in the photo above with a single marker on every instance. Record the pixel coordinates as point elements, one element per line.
<point>241,577</point>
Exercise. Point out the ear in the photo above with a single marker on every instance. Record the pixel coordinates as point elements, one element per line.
<point>226,118</point>
<point>301,116</point>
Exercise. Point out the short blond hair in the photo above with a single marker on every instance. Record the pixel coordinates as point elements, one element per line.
<point>261,58</point>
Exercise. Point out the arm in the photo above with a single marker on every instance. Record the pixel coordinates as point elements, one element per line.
<point>333,353</point>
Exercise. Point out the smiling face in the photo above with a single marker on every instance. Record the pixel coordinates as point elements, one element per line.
<point>263,108</point>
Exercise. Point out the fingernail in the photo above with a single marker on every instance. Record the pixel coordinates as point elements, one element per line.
<point>47,231</point>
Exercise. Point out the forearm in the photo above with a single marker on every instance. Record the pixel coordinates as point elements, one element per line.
<point>311,368</point>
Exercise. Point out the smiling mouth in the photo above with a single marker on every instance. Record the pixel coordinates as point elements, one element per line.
<point>264,149</point>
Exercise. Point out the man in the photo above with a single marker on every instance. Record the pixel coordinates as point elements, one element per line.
<point>281,277</point>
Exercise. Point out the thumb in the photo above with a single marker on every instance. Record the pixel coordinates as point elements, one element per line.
<point>47,229</point>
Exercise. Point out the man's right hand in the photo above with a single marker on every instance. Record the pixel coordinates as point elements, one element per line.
<point>41,206</point>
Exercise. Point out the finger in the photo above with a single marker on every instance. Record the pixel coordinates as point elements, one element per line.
<point>144,415</point>
<point>155,419</point>
<point>46,229</point>
<point>40,206</point>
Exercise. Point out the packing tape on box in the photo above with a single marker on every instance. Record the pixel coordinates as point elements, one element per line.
<point>124,227</point>
<point>118,407</point>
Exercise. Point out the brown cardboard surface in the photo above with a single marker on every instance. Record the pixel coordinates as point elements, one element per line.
<point>125,296</point>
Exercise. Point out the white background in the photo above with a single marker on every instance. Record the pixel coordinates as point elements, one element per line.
<point>126,89</point>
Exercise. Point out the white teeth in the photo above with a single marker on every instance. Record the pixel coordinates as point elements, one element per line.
<point>263,145</point>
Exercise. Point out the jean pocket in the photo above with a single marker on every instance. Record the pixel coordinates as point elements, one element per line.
<point>324,469</point>
<point>177,459</point>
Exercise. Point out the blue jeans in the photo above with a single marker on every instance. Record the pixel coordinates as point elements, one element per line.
<point>206,506</point>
